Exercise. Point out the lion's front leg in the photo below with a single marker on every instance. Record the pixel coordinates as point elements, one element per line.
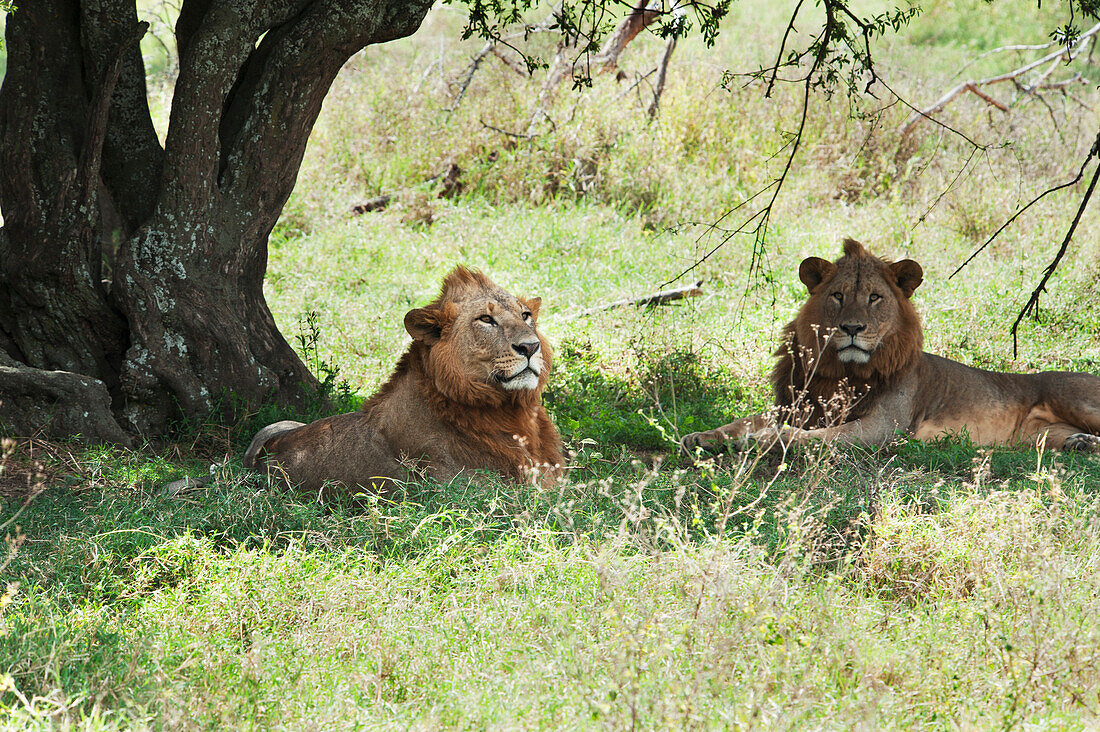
<point>874,430</point>
<point>716,439</point>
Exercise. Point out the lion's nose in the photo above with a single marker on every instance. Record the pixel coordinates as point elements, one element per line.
<point>852,328</point>
<point>526,349</point>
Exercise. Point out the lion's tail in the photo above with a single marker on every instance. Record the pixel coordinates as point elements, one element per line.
<point>262,437</point>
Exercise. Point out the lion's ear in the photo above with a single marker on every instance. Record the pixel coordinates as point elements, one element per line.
<point>533,304</point>
<point>909,275</point>
<point>815,270</point>
<point>424,324</point>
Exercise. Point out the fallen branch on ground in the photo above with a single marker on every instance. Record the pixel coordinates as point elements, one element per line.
<point>450,186</point>
<point>657,298</point>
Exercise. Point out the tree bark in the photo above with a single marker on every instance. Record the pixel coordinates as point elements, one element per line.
<point>179,325</point>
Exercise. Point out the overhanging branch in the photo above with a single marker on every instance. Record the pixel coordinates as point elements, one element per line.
<point>976,86</point>
<point>1032,304</point>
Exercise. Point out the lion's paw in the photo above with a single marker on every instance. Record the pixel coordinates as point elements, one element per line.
<point>713,441</point>
<point>1082,442</point>
<point>707,441</point>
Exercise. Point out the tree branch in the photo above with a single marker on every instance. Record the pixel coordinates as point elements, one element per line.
<point>190,19</point>
<point>1033,301</point>
<point>211,58</point>
<point>300,61</point>
<point>657,298</point>
<point>782,47</point>
<point>87,178</point>
<point>641,16</point>
<point>975,86</point>
<point>1020,212</point>
<point>757,223</point>
<point>132,154</point>
<point>654,106</point>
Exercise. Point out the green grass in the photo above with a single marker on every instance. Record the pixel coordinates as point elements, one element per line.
<point>609,602</point>
<point>925,585</point>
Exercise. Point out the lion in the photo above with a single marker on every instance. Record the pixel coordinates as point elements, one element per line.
<point>465,396</point>
<point>852,371</point>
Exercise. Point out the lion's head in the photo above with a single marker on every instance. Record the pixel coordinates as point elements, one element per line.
<point>481,344</point>
<point>858,322</point>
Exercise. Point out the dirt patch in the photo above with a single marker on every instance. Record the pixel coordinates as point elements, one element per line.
<point>22,473</point>
<point>19,481</point>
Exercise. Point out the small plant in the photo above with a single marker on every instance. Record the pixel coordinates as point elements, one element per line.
<point>333,395</point>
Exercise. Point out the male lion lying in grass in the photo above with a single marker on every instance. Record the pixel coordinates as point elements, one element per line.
<point>465,396</point>
<point>854,372</point>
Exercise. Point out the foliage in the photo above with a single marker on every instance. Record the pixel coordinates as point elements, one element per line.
<point>666,394</point>
<point>584,24</point>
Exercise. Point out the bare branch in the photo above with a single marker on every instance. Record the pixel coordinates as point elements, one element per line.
<point>493,46</point>
<point>782,47</point>
<point>670,46</point>
<point>642,14</point>
<point>640,17</point>
<point>762,217</point>
<point>507,133</point>
<point>1032,304</point>
<point>1066,54</point>
<point>1020,212</point>
<point>96,130</point>
<point>468,75</point>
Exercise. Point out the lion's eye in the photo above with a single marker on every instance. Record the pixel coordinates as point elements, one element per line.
<point>489,319</point>
<point>527,318</point>
<point>838,296</point>
<point>873,299</point>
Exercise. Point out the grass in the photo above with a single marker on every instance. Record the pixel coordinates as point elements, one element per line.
<point>925,585</point>
<point>611,601</point>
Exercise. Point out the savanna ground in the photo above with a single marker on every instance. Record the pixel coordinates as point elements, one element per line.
<point>925,585</point>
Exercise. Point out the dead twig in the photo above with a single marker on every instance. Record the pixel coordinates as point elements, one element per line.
<point>450,185</point>
<point>468,75</point>
<point>507,133</point>
<point>492,46</point>
<point>514,65</point>
<point>1032,202</point>
<point>637,81</point>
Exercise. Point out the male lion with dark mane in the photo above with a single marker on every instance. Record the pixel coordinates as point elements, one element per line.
<point>466,395</point>
<point>852,371</point>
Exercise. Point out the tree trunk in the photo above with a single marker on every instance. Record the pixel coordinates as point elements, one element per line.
<point>175,324</point>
